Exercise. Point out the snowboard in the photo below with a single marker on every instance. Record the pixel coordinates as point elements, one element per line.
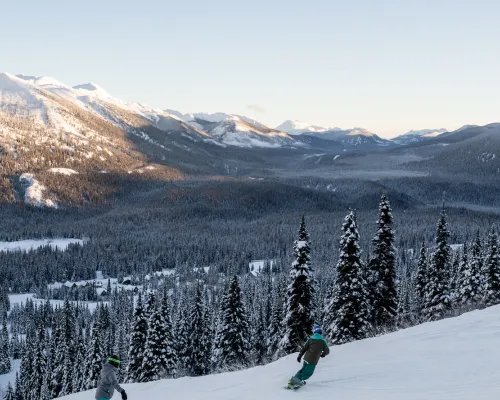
<point>294,388</point>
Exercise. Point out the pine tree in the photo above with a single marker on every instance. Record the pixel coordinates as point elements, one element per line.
<point>5,364</point>
<point>79,363</point>
<point>39,368</point>
<point>159,356</point>
<point>437,291</point>
<point>18,389</point>
<point>276,324</point>
<point>95,356</point>
<point>232,344</point>
<point>9,393</point>
<point>300,296</point>
<point>169,342</point>
<point>404,305</point>
<point>347,312</point>
<point>420,282</point>
<point>26,368</point>
<point>199,355</point>
<point>470,280</point>
<point>382,271</point>
<point>137,342</point>
<point>492,272</point>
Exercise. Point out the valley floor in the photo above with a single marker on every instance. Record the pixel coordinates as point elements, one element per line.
<point>457,358</point>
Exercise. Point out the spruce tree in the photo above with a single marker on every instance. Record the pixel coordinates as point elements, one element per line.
<point>300,296</point>
<point>470,280</point>
<point>199,355</point>
<point>40,368</point>
<point>170,354</point>
<point>437,289</point>
<point>5,364</point>
<point>347,311</point>
<point>420,282</point>
<point>137,343</point>
<point>18,388</point>
<point>95,356</point>
<point>382,271</point>
<point>276,324</point>
<point>492,272</point>
<point>232,344</point>
<point>9,393</point>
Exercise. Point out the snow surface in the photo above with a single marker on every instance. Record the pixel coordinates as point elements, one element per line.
<point>34,192</point>
<point>452,359</point>
<point>22,298</point>
<point>27,245</point>
<point>63,171</point>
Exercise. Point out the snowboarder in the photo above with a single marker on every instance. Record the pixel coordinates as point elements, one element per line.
<point>314,348</point>
<point>108,382</point>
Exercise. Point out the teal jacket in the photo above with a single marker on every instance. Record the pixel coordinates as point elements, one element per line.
<point>314,348</point>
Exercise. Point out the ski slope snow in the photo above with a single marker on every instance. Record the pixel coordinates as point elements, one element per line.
<point>456,358</point>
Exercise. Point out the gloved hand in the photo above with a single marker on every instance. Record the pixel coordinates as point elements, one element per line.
<point>124,395</point>
<point>323,355</point>
<point>299,359</point>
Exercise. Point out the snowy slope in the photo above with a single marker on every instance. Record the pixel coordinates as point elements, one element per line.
<point>418,136</point>
<point>455,359</point>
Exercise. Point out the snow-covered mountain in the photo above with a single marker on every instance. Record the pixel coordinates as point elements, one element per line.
<point>455,358</point>
<point>418,136</point>
<point>237,130</point>
<point>294,127</point>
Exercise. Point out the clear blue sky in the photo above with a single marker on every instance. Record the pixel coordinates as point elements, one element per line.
<point>388,66</point>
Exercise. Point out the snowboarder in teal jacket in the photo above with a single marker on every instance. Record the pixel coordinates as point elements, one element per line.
<point>314,348</point>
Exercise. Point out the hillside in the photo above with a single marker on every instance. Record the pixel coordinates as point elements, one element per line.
<point>454,359</point>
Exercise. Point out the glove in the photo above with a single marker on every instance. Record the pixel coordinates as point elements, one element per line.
<point>323,355</point>
<point>299,359</point>
<point>124,395</point>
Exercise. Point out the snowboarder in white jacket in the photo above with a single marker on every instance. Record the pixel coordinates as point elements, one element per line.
<point>108,382</point>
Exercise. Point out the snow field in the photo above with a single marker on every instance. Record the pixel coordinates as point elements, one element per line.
<point>456,358</point>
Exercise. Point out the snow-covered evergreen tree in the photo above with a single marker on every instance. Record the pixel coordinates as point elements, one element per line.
<point>198,341</point>
<point>347,312</point>
<point>18,389</point>
<point>137,343</point>
<point>39,371</point>
<point>437,289</point>
<point>9,393</point>
<point>420,282</point>
<point>171,359</point>
<point>5,364</point>
<point>300,296</point>
<point>276,325</point>
<point>470,286</point>
<point>232,345</point>
<point>404,315</point>
<point>491,272</point>
<point>96,356</point>
<point>382,271</point>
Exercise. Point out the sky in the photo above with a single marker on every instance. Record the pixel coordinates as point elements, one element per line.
<point>385,65</point>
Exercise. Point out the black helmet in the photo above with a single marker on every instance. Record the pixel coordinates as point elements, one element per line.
<point>114,361</point>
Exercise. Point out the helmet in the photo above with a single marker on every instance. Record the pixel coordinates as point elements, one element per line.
<point>317,329</point>
<point>114,361</point>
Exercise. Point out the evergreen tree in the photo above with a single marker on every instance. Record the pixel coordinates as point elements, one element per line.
<point>420,282</point>
<point>9,393</point>
<point>300,296</point>
<point>159,356</point>
<point>95,356</point>
<point>40,367</point>
<point>276,324</point>
<point>18,390</point>
<point>382,271</point>
<point>347,312</point>
<point>492,272</point>
<point>437,290</point>
<point>470,281</point>
<point>137,343</point>
<point>170,354</point>
<point>199,355</point>
<point>5,364</point>
<point>232,344</point>
<point>26,368</point>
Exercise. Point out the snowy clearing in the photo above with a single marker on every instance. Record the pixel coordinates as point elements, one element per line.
<point>27,245</point>
<point>454,359</point>
<point>34,192</point>
<point>22,298</point>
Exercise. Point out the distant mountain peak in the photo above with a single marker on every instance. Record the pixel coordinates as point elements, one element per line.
<point>295,127</point>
